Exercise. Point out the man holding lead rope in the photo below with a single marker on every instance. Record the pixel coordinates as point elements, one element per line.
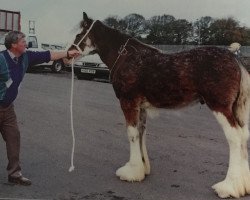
<point>14,62</point>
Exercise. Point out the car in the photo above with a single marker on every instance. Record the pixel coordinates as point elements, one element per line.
<point>91,67</point>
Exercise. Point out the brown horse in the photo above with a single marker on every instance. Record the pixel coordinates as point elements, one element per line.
<point>144,78</point>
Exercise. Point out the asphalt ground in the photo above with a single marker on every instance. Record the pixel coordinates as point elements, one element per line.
<point>187,148</point>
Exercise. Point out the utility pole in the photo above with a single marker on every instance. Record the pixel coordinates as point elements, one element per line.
<point>32,27</point>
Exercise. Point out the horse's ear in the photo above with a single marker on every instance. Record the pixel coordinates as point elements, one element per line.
<point>85,16</point>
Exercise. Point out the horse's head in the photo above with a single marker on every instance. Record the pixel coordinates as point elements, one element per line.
<point>83,41</point>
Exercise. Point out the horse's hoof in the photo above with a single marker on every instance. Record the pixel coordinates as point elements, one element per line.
<point>232,187</point>
<point>131,173</point>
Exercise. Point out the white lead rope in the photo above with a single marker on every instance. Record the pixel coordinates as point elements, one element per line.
<point>72,167</point>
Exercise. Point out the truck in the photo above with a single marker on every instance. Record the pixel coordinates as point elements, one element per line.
<point>56,66</point>
<point>11,21</point>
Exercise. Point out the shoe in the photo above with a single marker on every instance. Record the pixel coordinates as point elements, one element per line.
<point>19,180</point>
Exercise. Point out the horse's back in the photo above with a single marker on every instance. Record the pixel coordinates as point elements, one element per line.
<point>175,80</point>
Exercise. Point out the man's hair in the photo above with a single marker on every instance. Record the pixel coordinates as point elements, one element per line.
<point>12,38</point>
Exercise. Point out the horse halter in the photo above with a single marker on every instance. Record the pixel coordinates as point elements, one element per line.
<point>85,35</point>
<point>121,52</point>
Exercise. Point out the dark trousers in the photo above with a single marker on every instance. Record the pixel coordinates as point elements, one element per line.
<point>11,136</point>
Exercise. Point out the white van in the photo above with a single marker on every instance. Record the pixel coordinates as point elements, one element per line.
<point>33,45</point>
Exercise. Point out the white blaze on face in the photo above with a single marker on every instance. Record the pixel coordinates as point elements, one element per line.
<point>88,47</point>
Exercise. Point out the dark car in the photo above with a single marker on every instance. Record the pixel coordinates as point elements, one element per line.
<point>91,67</point>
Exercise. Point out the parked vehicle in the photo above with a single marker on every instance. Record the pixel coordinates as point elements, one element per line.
<point>56,66</point>
<point>9,21</point>
<point>91,67</point>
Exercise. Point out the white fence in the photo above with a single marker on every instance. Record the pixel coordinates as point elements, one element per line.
<point>245,50</point>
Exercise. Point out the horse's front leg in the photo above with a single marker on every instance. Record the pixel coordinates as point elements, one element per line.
<point>134,169</point>
<point>142,133</point>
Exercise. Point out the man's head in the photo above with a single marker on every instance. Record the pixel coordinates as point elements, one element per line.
<point>15,42</point>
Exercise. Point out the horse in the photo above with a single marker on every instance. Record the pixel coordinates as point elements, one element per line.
<point>144,78</point>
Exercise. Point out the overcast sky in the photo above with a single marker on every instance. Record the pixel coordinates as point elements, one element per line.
<point>56,19</point>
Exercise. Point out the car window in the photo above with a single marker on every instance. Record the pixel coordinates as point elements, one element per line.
<point>45,46</point>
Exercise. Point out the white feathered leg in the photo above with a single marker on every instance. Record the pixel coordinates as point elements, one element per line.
<point>236,183</point>
<point>244,157</point>
<point>134,169</point>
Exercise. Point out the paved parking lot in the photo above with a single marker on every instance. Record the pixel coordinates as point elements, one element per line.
<point>187,148</point>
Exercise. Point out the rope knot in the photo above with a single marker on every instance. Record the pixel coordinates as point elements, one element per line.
<point>123,51</point>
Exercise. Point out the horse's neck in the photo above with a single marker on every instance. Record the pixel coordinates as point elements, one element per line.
<point>109,45</point>
<point>109,53</point>
<point>109,56</point>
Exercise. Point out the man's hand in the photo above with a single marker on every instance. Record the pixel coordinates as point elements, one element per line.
<point>73,53</point>
<point>56,55</point>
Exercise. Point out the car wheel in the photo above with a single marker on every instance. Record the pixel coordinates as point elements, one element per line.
<point>57,67</point>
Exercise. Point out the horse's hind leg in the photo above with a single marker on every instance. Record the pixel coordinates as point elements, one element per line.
<point>134,169</point>
<point>142,134</point>
<point>244,156</point>
<point>237,177</point>
<point>235,125</point>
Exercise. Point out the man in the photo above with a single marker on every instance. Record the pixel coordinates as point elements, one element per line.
<point>13,64</point>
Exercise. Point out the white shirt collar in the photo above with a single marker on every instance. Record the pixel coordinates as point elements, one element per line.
<point>11,54</point>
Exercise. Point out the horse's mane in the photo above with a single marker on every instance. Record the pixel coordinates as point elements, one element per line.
<point>114,34</point>
<point>110,31</point>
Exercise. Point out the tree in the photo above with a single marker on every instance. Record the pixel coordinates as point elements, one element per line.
<point>247,36</point>
<point>202,32</point>
<point>116,23</point>
<point>166,29</point>
<point>159,28</point>
<point>227,31</point>
<point>135,24</point>
<point>181,31</point>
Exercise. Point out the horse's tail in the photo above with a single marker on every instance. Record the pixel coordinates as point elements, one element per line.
<point>242,104</point>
